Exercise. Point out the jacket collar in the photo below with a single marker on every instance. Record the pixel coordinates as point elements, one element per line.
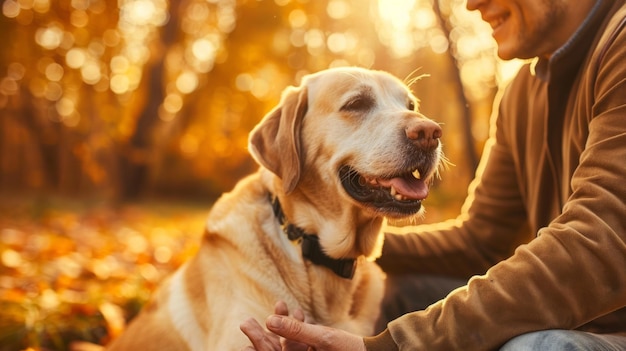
<point>566,61</point>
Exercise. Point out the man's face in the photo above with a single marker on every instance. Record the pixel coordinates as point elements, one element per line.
<point>525,28</point>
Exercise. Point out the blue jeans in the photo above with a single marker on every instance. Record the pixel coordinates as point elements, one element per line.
<point>565,340</point>
<point>412,292</point>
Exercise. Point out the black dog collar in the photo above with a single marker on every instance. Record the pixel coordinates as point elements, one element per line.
<point>311,249</point>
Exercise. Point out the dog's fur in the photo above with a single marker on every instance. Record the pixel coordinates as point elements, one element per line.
<point>339,117</point>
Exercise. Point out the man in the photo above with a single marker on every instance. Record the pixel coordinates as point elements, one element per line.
<point>553,174</point>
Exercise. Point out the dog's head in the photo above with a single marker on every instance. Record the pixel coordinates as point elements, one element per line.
<point>355,134</point>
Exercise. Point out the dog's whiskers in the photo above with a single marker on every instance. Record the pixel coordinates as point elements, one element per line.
<point>444,164</point>
<point>410,79</point>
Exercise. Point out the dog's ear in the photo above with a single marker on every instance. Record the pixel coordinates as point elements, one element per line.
<point>275,141</point>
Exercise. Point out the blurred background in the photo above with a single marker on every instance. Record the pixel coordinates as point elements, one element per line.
<point>122,120</point>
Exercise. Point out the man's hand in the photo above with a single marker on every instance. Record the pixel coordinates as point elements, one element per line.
<point>297,335</point>
<point>263,340</point>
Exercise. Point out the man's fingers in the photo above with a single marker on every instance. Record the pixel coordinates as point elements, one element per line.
<point>298,314</point>
<point>281,308</point>
<point>294,329</point>
<point>261,340</point>
<point>317,337</point>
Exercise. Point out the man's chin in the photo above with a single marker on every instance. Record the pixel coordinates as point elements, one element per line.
<point>506,51</point>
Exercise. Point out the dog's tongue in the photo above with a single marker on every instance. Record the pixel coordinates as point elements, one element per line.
<point>409,187</point>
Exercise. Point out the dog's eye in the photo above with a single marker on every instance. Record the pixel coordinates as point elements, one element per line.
<point>411,105</point>
<point>359,103</point>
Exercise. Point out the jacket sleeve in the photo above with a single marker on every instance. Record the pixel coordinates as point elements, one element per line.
<point>492,223</point>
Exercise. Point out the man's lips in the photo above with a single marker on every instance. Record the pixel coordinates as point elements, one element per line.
<point>496,21</point>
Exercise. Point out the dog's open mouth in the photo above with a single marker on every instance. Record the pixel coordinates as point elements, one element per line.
<point>399,195</point>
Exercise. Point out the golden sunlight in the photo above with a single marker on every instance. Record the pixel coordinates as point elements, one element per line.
<point>50,38</point>
<point>396,25</point>
<point>187,82</point>
<point>75,58</point>
<point>338,9</point>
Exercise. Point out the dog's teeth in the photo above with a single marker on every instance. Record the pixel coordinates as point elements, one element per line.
<point>398,197</point>
<point>393,191</point>
<point>417,174</point>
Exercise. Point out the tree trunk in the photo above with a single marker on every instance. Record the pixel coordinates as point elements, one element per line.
<point>466,117</point>
<point>135,164</point>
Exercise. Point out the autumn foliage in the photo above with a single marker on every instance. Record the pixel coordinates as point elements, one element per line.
<point>73,271</point>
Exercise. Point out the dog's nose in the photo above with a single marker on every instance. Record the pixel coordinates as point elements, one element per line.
<point>424,133</point>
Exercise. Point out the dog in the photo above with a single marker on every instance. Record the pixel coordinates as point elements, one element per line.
<point>340,152</point>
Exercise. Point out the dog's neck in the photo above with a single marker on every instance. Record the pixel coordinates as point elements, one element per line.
<point>311,249</point>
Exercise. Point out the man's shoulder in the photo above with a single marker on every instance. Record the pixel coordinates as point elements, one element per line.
<point>613,33</point>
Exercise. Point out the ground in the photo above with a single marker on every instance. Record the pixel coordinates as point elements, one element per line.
<point>76,270</point>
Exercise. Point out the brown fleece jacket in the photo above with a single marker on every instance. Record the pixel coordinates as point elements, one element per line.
<point>543,230</point>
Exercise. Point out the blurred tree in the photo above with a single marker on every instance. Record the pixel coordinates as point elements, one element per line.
<point>457,83</point>
<point>122,98</point>
<point>135,161</point>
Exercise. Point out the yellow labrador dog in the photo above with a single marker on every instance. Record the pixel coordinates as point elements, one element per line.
<point>340,152</point>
